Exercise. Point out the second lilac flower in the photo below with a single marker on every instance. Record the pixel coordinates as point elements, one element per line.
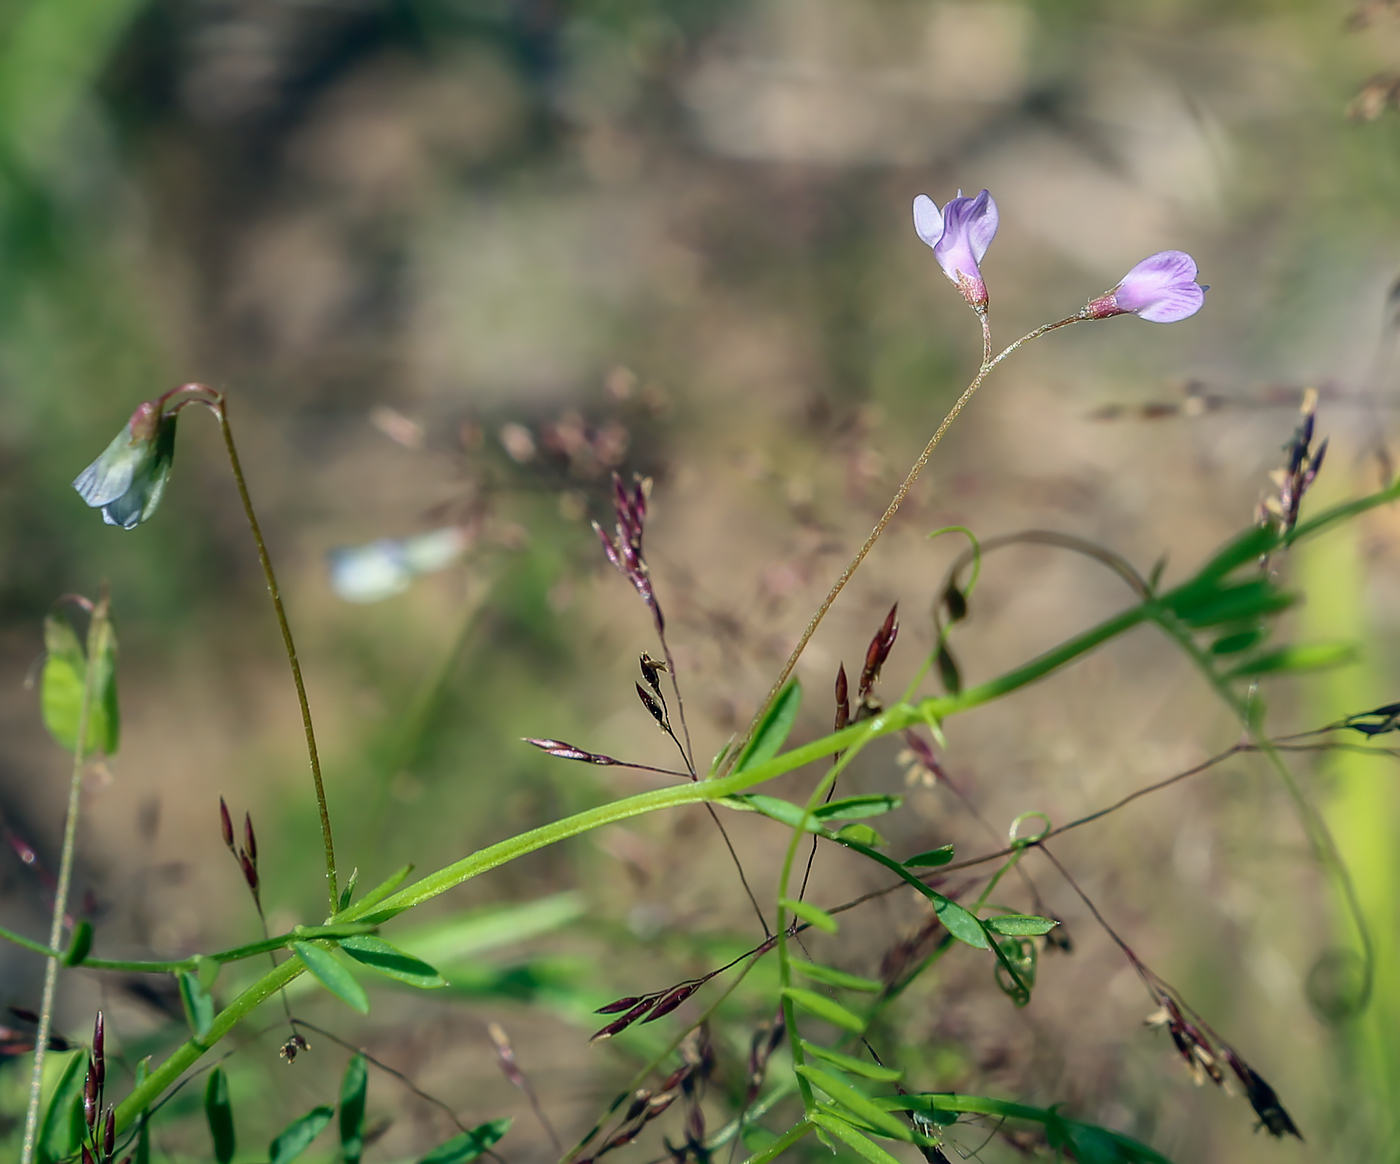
<point>959,235</point>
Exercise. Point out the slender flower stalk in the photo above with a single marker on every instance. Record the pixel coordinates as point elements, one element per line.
<point>219,407</point>
<point>890,510</point>
<point>127,481</point>
<point>99,630</point>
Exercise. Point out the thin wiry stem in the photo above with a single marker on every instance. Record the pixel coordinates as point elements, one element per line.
<point>688,755</point>
<point>220,410</point>
<point>989,362</point>
<point>98,642</point>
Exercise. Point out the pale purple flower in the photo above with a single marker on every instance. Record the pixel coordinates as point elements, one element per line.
<point>959,236</point>
<point>1160,289</point>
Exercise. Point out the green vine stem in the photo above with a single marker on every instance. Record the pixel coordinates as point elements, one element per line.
<point>237,954</point>
<point>894,719</point>
<point>814,801</point>
<point>98,643</point>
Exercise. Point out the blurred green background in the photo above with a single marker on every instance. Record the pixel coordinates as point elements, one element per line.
<point>453,261</point>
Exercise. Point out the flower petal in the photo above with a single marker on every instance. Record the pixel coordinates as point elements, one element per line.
<point>1179,303</point>
<point>928,222</point>
<point>983,222</point>
<point>108,477</point>
<point>1162,288</point>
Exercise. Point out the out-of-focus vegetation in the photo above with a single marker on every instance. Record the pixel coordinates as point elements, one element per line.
<point>453,262</point>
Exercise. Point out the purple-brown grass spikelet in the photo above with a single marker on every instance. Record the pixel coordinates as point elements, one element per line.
<point>621,1024</point>
<point>672,999</point>
<point>567,751</point>
<point>878,651</point>
<point>226,826</point>
<point>654,706</point>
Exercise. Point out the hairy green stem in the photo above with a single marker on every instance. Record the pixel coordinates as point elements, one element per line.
<point>814,801</point>
<point>1319,837</point>
<point>237,954</point>
<point>98,643</point>
<point>188,1053</point>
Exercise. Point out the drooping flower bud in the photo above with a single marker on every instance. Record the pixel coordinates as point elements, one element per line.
<point>1160,289</point>
<point>959,235</point>
<point>126,482</point>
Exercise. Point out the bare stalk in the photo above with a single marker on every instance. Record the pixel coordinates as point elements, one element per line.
<point>220,409</point>
<point>988,363</point>
<point>97,641</point>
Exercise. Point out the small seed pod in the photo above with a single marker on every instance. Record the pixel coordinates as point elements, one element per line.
<point>99,1050</point>
<point>90,1100</point>
<point>250,871</point>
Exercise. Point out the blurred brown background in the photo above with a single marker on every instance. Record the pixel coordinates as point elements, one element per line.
<point>453,262</point>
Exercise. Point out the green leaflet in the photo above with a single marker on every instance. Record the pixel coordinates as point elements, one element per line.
<point>80,945</point>
<point>61,1132</point>
<point>380,956</point>
<point>931,859</point>
<point>382,890</point>
<point>332,975</point>
<point>1019,925</point>
<point>782,811</point>
<point>218,1111</point>
<point>811,914</point>
<point>352,1109</point>
<point>297,1136</point>
<point>857,807</point>
<point>959,922</point>
<point>852,1064</point>
<point>773,729</point>
<point>852,1100</point>
<point>1235,641</point>
<point>467,1145</point>
<point>348,893</point>
<point>852,1138</point>
<point>198,1003</point>
<point>823,1008</point>
<point>62,681</point>
<point>833,977</point>
<point>1211,606</point>
<point>862,834</point>
<point>1312,657</point>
